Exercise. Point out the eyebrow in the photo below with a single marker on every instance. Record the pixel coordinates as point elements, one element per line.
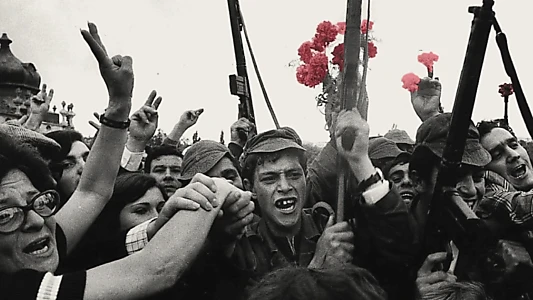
<point>502,144</point>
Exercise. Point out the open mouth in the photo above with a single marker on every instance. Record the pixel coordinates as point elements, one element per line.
<point>38,247</point>
<point>286,205</point>
<point>407,196</point>
<point>518,172</point>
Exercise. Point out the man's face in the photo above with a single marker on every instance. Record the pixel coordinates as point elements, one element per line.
<point>73,166</point>
<point>470,185</point>
<point>399,175</point>
<point>166,170</point>
<point>509,159</point>
<point>33,245</point>
<point>280,189</point>
<point>225,169</point>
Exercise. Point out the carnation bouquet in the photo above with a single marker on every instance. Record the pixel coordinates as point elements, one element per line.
<point>322,60</point>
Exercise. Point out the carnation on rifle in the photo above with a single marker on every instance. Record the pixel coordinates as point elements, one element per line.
<point>428,59</point>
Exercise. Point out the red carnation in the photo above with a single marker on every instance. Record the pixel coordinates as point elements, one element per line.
<point>372,50</point>
<point>428,59</point>
<point>341,26</point>
<point>364,28</point>
<point>326,33</point>
<point>305,52</point>
<point>318,45</point>
<point>410,82</point>
<point>338,56</point>
<point>313,73</point>
<point>506,89</point>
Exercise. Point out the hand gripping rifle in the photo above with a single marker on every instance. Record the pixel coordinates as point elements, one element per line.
<point>448,217</point>
<point>239,85</point>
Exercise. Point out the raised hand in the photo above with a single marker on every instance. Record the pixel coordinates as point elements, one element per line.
<point>241,131</point>
<point>426,100</point>
<point>353,120</point>
<point>117,73</point>
<point>40,103</point>
<point>144,121</point>
<point>189,118</point>
<point>93,123</point>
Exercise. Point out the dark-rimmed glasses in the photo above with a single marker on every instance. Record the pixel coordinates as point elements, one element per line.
<point>45,204</point>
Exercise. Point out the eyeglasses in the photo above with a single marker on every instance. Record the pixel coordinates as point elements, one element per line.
<point>45,204</point>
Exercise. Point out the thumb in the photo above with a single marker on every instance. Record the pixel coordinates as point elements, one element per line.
<point>331,221</point>
<point>431,261</point>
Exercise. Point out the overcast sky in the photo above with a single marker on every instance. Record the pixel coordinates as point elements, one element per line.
<point>183,49</point>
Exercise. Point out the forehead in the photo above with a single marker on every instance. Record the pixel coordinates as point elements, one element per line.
<point>283,163</point>
<point>78,149</point>
<point>14,186</point>
<point>495,137</point>
<point>403,167</point>
<point>167,160</point>
<point>153,196</point>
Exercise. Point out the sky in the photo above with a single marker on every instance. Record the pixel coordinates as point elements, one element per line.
<point>184,50</point>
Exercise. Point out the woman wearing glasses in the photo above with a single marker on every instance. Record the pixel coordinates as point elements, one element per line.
<point>35,236</point>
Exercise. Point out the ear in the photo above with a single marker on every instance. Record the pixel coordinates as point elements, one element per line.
<point>248,185</point>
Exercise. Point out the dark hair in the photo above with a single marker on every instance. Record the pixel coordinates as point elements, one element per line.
<point>485,127</point>
<point>457,291</point>
<point>400,160</point>
<point>257,159</point>
<point>300,283</point>
<point>156,152</point>
<point>25,158</point>
<point>128,188</point>
<point>423,161</point>
<point>65,138</point>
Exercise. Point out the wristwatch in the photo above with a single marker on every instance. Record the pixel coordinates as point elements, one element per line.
<point>370,181</point>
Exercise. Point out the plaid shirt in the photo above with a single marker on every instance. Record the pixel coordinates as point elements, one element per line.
<point>508,208</point>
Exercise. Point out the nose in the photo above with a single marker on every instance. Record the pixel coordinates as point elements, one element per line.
<point>466,187</point>
<point>168,174</point>
<point>406,180</point>
<point>512,155</point>
<point>81,165</point>
<point>34,222</point>
<point>284,186</point>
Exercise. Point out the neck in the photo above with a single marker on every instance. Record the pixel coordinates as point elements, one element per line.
<point>284,231</point>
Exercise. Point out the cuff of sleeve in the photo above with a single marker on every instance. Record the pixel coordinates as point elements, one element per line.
<point>137,237</point>
<point>131,160</point>
<point>376,191</point>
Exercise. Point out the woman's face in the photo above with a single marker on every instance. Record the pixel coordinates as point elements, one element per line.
<point>33,245</point>
<point>73,166</point>
<point>143,209</point>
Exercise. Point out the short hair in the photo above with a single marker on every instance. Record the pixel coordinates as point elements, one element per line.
<point>485,127</point>
<point>300,283</point>
<point>27,159</point>
<point>400,160</point>
<point>157,152</point>
<point>462,290</point>
<point>257,159</point>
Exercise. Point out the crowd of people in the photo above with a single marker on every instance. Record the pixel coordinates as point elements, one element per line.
<point>254,219</point>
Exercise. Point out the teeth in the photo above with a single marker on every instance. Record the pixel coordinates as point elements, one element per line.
<point>40,251</point>
<point>285,205</point>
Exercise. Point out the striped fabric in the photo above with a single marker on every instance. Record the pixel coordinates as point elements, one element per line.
<point>49,287</point>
